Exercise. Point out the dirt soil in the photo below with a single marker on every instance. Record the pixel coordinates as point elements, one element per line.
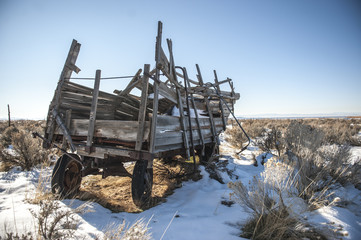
<point>115,194</point>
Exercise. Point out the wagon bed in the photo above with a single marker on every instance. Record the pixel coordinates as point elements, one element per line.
<point>101,130</point>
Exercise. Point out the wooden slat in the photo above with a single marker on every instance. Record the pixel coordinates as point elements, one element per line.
<point>220,102</point>
<point>93,110</point>
<point>131,84</point>
<point>156,88</point>
<point>112,129</point>
<point>64,77</point>
<point>211,120</point>
<point>143,108</point>
<point>67,125</point>
<point>179,99</point>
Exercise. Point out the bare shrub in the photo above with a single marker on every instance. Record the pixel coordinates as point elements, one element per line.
<point>138,231</point>
<point>53,222</point>
<point>235,136</point>
<point>27,151</point>
<point>272,139</point>
<point>6,138</point>
<point>338,165</point>
<point>270,216</point>
<point>299,136</point>
<point>16,236</point>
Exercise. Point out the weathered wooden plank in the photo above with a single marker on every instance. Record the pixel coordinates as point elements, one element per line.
<point>93,110</point>
<point>169,134</point>
<point>220,102</point>
<point>143,108</point>
<point>83,99</point>
<point>156,88</point>
<point>131,84</point>
<point>171,123</point>
<point>64,77</point>
<point>67,125</point>
<point>101,152</point>
<point>167,92</point>
<point>113,129</point>
<point>163,63</point>
<point>77,88</point>
<point>197,117</point>
<point>173,79</point>
<point>64,130</point>
<point>169,138</point>
<point>178,146</point>
<point>215,136</point>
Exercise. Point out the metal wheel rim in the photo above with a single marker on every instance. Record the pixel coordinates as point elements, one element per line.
<point>71,176</point>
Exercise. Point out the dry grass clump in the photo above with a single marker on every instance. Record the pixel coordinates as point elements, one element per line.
<point>16,236</point>
<point>270,216</point>
<point>138,230</point>
<point>53,222</point>
<point>25,151</point>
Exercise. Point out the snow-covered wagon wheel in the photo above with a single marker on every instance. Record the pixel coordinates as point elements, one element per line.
<point>142,182</point>
<point>66,176</point>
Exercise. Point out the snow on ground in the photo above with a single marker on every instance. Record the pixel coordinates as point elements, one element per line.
<point>194,211</point>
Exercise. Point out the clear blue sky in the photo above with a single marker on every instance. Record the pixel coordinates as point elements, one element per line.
<point>286,56</point>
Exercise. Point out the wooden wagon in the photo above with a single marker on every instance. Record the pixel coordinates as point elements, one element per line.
<point>101,131</point>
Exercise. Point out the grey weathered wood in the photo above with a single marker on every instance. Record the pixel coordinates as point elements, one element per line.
<point>9,115</point>
<point>222,82</point>
<point>156,88</point>
<point>93,110</point>
<point>179,99</point>
<point>197,120</point>
<point>200,79</point>
<point>67,125</point>
<point>121,123</point>
<point>191,135</point>
<point>63,129</point>
<point>232,93</point>
<point>111,129</point>
<point>133,83</point>
<point>220,102</point>
<point>142,109</point>
<point>192,81</point>
<point>167,92</point>
<point>65,75</point>
<point>101,152</point>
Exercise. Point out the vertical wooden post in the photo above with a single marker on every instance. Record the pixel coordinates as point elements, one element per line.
<point>65,75</point>
<point>142,108</point>
<point>211,121</point>
<point>220,101</point>
<point>232,93</point>
<point>9,115</point>
<point>67,125</point>
<point>93,111</point>
<point>156,89</point>
<point>186,80</point>
<point>182,119</point>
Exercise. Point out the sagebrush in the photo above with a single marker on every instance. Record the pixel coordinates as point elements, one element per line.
<point>19,148</point>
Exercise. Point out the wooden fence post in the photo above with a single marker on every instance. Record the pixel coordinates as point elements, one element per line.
<point>9,114</point>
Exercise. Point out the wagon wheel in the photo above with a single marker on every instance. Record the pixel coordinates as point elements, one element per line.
<point>142,182</point>
<point>66,177</point>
